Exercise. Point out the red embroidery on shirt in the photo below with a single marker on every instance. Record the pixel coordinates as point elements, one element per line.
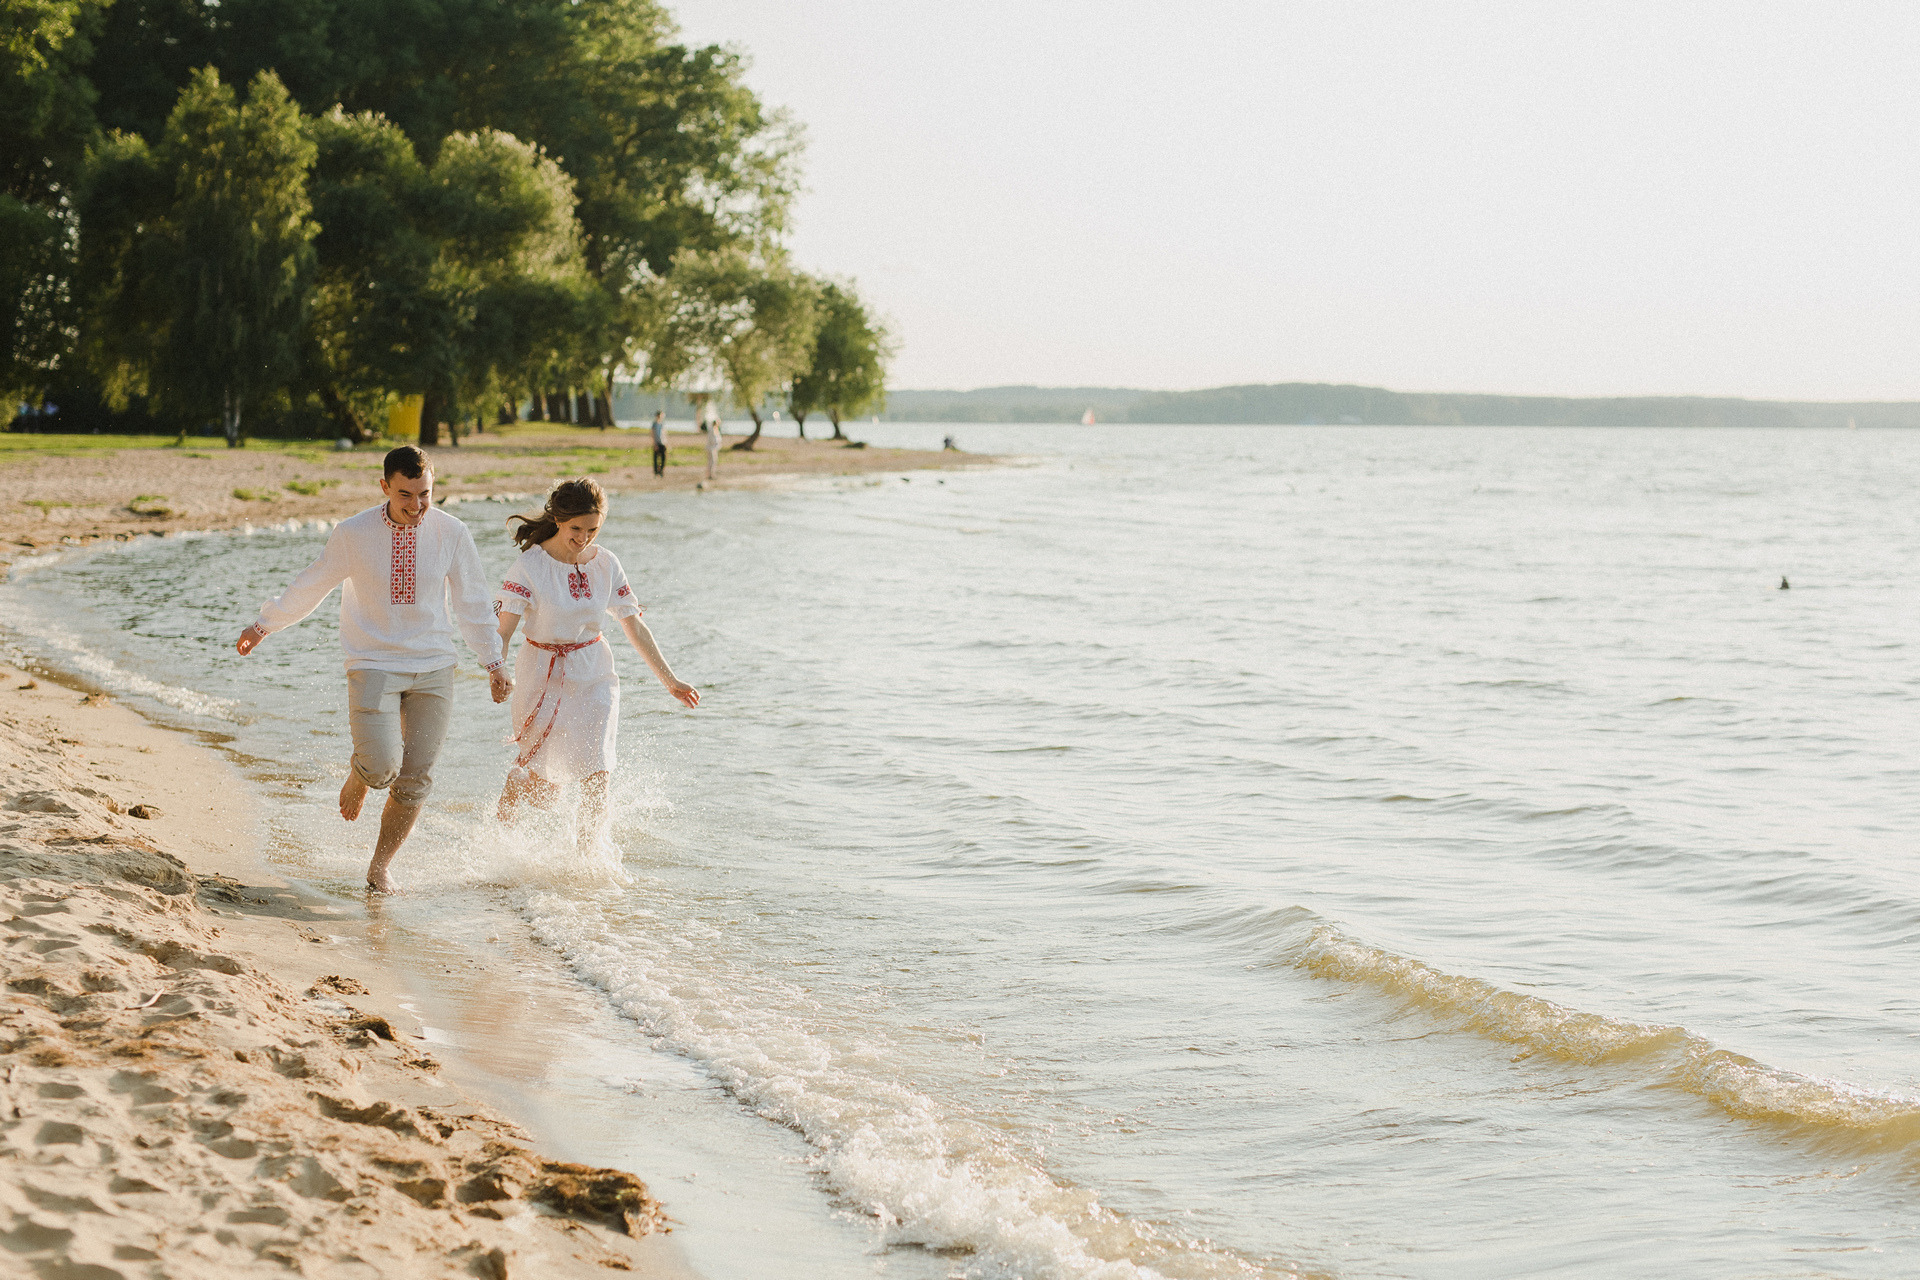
<point>624,590</point>
<point>403,560</point>
<point>577,585</point>
<point>517,589</point>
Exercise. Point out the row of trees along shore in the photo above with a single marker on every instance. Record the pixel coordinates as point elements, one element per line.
<point>285,214</point>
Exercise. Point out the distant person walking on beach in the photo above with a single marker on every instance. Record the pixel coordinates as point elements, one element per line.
<point>408,573</point>
<point>713,444</point>
<point>660,442</point>
<point>566,701</point>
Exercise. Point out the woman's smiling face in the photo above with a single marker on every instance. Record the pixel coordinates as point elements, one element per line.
<point>578,533</point>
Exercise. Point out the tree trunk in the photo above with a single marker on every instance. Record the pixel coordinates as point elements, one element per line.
<point>833,416</point>
<point>348,422</point>
<point>557,405</point>
<point>430,409</point>
<point>509,413</point>
<point>582,409</point>
<point>230,420</point>
<point>608,400</point>
<point>746,446</point>
<point>536,406</point>
<point>800,421</point>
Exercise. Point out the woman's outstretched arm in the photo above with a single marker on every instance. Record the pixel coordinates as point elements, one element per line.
<point>642,639</point>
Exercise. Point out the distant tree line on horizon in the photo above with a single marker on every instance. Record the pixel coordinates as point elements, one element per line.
<point>1311,403</point>
<point>284,215</point>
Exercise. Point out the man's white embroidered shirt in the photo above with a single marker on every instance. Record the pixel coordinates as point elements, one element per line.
<point>403,588</point>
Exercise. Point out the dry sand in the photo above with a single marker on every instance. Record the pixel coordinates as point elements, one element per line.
<point>204,1075</point>
<point>76,489</point>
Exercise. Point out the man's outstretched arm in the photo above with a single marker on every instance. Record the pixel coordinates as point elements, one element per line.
<point>302,596</point>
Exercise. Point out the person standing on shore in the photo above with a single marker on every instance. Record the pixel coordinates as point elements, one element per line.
<point>407,573</point>
<point>566,701</point>
<point>660,442</point>
<point>713,445</point>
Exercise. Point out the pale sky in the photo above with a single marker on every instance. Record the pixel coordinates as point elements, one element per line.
<point>1540,198</point>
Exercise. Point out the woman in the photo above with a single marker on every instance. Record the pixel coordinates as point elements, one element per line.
<point>566,697</point>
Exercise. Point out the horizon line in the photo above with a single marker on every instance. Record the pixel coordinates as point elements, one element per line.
<point>1364,386</point>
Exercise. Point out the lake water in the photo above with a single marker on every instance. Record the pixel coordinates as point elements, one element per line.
<point>1214,852</point>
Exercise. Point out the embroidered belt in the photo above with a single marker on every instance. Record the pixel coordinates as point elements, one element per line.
<point>556,666</point>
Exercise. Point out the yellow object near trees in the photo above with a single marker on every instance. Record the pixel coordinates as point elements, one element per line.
<point>403,419</point>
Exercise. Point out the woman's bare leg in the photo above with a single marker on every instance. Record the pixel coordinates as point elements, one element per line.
<point>517,791</point>
<point>593,803</point>
<point>540,793</point>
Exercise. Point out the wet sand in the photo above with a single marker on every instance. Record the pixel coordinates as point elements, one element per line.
<point>207,1072</point>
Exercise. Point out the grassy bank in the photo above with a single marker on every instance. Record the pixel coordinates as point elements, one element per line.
<point>69,489</point>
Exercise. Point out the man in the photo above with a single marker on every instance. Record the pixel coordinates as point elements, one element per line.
<point>401,567</point>
<point>660,442</point>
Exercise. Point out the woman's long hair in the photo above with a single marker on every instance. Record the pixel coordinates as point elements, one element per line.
<point>570,498</point>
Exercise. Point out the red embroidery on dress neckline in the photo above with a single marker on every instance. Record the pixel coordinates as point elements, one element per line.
<point>404,545</point>
<point>577,585</point>
<point>517,589</point>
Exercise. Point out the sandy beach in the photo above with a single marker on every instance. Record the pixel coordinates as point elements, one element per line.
<point>209,1070</point>
<point>72,490</point>
<point>206,1073</point>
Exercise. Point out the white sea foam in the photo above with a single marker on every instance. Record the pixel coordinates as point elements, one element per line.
<point>930,1177</point>
<point>62,649</point>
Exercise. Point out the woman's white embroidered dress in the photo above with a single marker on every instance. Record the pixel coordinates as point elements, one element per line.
<point>566,706</point>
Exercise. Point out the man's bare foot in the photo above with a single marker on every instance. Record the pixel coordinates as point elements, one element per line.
<point>396,823</point>
<point>353,794</point>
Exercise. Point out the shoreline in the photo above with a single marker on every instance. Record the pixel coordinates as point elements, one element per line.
<point>68,491</point>
<point>209,1068</point>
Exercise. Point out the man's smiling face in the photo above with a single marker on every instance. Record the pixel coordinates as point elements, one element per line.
<point>408,497</point>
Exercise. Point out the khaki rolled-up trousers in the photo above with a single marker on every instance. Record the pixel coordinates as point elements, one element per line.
<point>399,719</point>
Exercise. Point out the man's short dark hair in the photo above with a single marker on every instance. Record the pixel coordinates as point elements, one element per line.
<point>409,462</point>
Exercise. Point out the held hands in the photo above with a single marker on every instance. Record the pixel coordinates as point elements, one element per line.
<point>248,639</point>
<point>501,683</point>
<point>684,691</point>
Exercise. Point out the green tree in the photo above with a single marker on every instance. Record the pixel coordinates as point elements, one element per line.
<point>669,151</point>
<point>847,372</point>
<point>455,281</point>
<point>199,253</point>
<point>509,268</point>
<point>422,65</point>
<point>668,148</point>
<point>372,305</point>
<point>46,125</point>
<point>733,319</point>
